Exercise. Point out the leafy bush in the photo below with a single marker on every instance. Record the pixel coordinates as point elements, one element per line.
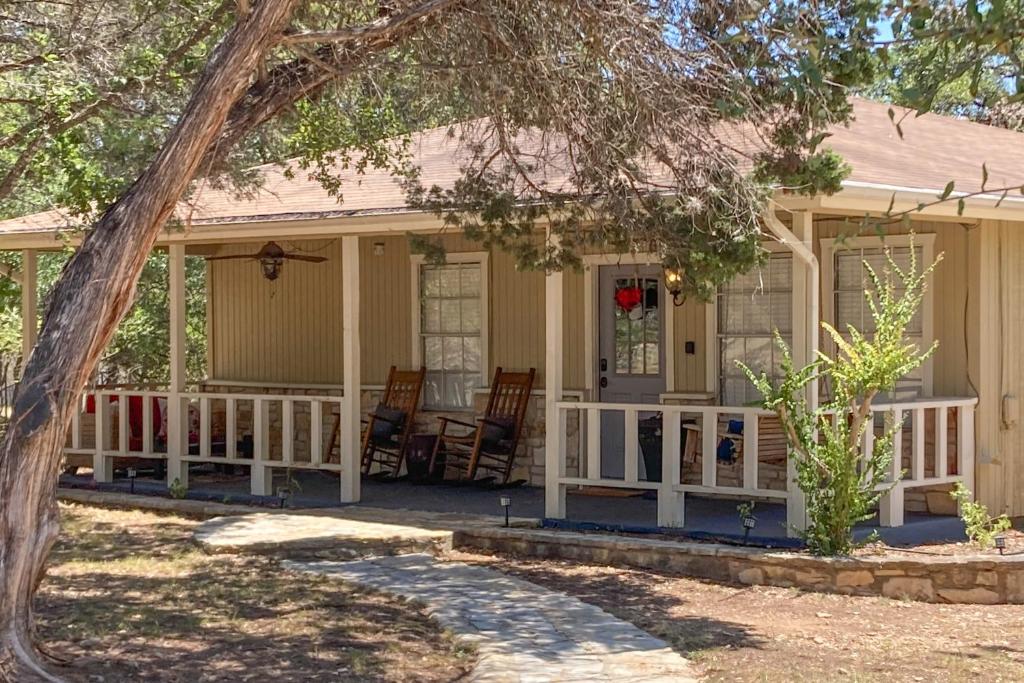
<point>981,527</point>
<point>843,486</point>
<point>177,489</point>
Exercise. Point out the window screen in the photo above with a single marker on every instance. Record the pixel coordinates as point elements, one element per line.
<point>750,308</point>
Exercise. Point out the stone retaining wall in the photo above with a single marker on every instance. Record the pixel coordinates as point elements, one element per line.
<point>988,579</point>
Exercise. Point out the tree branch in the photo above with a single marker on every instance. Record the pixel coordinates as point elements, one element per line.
<point>375,29</point>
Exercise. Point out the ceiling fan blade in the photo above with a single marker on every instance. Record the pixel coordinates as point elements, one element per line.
<point>233,256</point>
<point>302,257</point>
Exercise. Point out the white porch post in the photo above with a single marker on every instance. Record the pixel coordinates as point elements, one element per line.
<point>29,303</point>
<point>806,322</point>
<point>351,405</point>
<point>554,421</point>
<point>177,441</point>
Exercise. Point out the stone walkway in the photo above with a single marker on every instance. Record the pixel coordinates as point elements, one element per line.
<point>522,632</point>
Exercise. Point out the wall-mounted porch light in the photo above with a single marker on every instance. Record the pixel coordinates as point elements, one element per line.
<point>674,285</point>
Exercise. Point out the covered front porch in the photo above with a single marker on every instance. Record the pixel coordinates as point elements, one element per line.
<point>682,454</point>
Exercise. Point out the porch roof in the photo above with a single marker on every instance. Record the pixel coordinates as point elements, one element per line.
<point>933,150</point>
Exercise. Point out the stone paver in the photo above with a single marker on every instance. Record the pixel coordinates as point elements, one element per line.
<point>522,632</point>
<point>282,532</point>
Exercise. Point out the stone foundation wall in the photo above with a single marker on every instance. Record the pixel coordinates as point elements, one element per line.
<point>988,579</point>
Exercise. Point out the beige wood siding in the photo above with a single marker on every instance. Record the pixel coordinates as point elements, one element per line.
<point>996,339</point>
<point>690,324</point>
<point>288,330</point>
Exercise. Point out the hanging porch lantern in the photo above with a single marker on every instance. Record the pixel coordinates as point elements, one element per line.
<point>674,285</point>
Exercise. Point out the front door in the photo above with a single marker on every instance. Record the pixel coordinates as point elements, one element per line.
<point>631,350</point>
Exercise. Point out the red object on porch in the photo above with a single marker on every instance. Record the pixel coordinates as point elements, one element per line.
<point>628,298</point>
<point>135,421</point>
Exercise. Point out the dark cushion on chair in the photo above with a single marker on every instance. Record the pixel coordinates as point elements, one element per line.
<point>497,430</point>
<point>389,422</point>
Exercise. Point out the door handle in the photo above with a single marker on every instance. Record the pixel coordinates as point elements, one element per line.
<point>604,382</point>
<point>604,365</point>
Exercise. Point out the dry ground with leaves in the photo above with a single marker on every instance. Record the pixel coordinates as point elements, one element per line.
<point>780,635</point>
<point>128,598</point>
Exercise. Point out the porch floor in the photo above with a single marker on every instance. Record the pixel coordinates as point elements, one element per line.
<point>704,516</point>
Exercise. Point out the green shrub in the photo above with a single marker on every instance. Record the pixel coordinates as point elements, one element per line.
<point>177,489</point>
<point>842,486</point>
<point>981,527</point>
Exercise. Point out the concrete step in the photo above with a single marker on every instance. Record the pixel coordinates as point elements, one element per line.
<point>319,536</point>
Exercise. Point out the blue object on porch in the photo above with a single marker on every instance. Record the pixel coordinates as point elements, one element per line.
<point>735,427</point>
<point>726,451</point>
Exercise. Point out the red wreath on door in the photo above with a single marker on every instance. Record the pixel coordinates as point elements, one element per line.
<point>628,298</point>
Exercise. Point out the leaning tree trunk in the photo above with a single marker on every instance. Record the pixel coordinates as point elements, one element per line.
<point>93,293</point>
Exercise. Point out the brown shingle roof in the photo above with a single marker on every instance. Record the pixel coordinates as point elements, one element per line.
<point>933,150</point>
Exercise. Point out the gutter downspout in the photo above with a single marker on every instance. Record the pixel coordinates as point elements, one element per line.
<point>805,254</point>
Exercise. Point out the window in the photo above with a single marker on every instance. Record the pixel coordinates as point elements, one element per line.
<point>451,332</point>
<point>750,308</point>
<point>849,282</point>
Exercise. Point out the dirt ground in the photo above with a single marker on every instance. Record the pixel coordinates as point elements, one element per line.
<point>129,598</point>
<point>776,634</point>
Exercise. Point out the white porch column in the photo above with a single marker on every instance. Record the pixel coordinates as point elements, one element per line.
<point>806,324</point>
<point>554,421</point>
<point>351,405</point>
<point>177,440</point>
<point>29,303</point>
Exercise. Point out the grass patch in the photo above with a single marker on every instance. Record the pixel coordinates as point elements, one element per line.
<point>129,597</point>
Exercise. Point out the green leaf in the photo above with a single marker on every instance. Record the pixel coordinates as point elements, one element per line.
<point>948,190</point>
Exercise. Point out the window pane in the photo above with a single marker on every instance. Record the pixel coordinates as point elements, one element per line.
<point>432,356</point>
<point>450,281</point>
<point>781,274</point>
<point>431,315</point>
<point>451,315</point>
<point>431,282</point>
<point>432,384</point>
<point>759,354</point>
<point>471,349</point>
<point>471,316</point>
<point>455,391</point>
<point>452,353</point>
<point>470,275</point>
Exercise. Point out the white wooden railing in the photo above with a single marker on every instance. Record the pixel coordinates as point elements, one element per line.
<point>287,445</point>
<point>929,460</point>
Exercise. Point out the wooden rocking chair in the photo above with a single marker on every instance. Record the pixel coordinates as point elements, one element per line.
<point>491,443</point>
<point>390,424</point>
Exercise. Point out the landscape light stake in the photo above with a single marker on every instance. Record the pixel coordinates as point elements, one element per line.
<point>132,473</point>
<point>282,495</point>
<point>1001,544</point>
<point>749,522</point>
<point>506,502</point>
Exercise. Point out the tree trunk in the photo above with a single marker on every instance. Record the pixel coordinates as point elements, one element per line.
<point>94,292</point>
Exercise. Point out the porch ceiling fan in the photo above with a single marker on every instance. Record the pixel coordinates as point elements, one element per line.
<point>271,257</point>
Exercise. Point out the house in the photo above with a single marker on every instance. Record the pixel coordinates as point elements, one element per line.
<point>289,356</point>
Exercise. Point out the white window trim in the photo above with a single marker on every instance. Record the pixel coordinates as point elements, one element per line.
<point>417,261</point>
<point>829,248</point>
<point>591,265</point>
<point>714,362</point>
